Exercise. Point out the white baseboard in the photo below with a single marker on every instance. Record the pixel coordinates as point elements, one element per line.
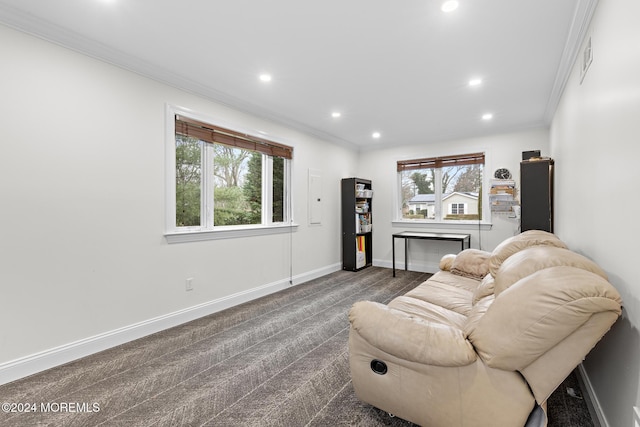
<point>592,399</point>
<point>32,364</point>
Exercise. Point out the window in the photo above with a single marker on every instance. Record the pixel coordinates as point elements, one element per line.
<point>226,179</point>
<point>456,208</point>
<point>441,188</point>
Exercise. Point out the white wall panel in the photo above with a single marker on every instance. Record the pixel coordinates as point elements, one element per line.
<point>594,140</point>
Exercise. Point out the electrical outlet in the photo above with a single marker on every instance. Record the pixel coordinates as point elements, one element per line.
<point>189,284</point>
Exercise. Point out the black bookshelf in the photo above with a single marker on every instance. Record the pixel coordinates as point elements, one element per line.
<point>357,224</point>
<point>536,194</point>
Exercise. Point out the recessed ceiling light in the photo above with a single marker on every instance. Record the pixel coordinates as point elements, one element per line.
<point>375,135</point>
<point>449,6</point>
<point>475,82</point>
<point>336,114</point>
<point>487,116</point>
<point>265,77</point>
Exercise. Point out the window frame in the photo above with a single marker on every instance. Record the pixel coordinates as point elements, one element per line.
<point>438,163</point>
<point>207,231</point>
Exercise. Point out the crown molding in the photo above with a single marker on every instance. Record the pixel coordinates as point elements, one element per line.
<point>52,33</point>
<point>584,12</point>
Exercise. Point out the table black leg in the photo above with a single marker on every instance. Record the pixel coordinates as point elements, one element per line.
<point>393,254</point>
<point>406,251</point>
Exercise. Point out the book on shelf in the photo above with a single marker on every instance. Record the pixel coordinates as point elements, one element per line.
<point>361,252</point>
<point>362,206</point>
<point>363,223</point>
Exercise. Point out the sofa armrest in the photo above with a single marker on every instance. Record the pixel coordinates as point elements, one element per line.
<point>410,338</point>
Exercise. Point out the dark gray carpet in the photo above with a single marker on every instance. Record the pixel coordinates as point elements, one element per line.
<point>281,360</point>
<point>567,407</point>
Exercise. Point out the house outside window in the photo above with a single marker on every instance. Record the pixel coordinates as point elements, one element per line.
<point>443,189</point>
<point>225,179</point>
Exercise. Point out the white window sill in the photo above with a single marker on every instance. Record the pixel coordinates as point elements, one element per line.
<point>228,233</point>
<point>450,225</point>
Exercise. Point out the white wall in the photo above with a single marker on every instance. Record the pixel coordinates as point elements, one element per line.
<point>503,150</point>
<point>595,140</point>
<point>83,190</point>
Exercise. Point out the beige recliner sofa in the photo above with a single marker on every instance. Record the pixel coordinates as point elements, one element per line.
<point>486,340</point>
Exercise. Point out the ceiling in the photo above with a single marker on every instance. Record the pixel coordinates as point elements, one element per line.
<point>400,68</point>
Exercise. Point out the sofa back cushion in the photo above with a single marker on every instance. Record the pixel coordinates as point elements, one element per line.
<point>477,312</point>
<point>539,311</point>
<point>446,262</point>
<point>530,260</point>
<point>485,288</point>
<point>472,263</point>
<point>519,242</point>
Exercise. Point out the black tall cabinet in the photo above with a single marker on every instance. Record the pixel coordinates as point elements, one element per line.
<point>536,194</point>
<point>357,241</point>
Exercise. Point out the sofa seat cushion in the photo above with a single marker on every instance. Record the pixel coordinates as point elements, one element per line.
<point>428,311</point>
<point>446,278</point>
<point>447,290</point>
